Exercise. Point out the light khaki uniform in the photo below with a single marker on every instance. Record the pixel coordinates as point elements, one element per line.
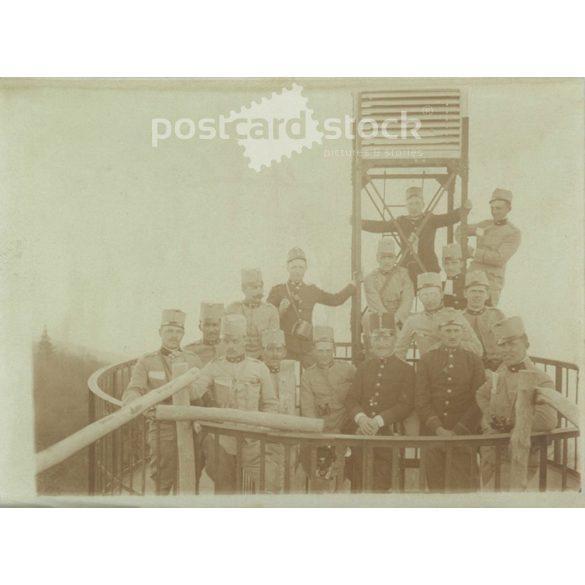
<point>262,318</point>
<point>245,385</point>
<point>151,371</point>
<point>422,329</point>
<point>495,247</point>
<point>497,397</point>
<point>390,292</point>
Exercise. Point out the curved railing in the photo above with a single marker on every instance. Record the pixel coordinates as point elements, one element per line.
<point>118,462</point>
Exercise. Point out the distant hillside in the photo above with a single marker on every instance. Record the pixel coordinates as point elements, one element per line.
<point>61,408</point>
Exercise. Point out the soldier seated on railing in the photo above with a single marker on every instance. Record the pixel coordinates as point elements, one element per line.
<point>324,388</point>
<point>151,371</point>
<point>382,394</point>
<point>497,398</point>
<point>447,379</point>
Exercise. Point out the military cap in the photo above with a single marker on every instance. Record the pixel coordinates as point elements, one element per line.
<point>476,278</point>
<point>427,279</point>
<point>387,246</point>
<point>251,275</point>
<point>508,329</point>
<point>323,333</point>
<point>173,317</point>
<point>501,195</point>
<point>414,192</point>
<point>233,325</point>
<point>273,337</point>
<point>452,251</point>
<point>450,316</point>
<point>381,322</point>
<point>211,311</point>
<point>296,254</point>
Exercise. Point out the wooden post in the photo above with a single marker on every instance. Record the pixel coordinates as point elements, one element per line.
<point>520,439</point>
<point>185,445</point>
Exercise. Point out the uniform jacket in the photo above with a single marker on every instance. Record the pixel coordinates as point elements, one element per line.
<point>284,381</point>
<point>446,382</point>
<point>383,387</point>
<point>455,299</point>
<point>494,248</point>
<point>206,351</point>
<point>392,292</point>
<point>426,242</point>
<point>497,397</point>
<point>324,392</point>
<point>305,297</point>
<point>482,324</point>
<point>260,318</point>
<point>422,329</point>
<point>154,369</point>
<point>245,385</point>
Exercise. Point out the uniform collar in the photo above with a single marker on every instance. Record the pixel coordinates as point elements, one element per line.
<point>252,304</point>
<point>478,312</point>
<point>211,343</point>
<point>236,360</point>
<point>517,367</point>
<point>329,365</point>
<point>168,352</point>
<point>435,311</point>
<point>500,222</point>
<point>274,369</point>
<point>295,283</point>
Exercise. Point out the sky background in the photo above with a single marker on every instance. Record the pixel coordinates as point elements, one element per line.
<point>101,231</point>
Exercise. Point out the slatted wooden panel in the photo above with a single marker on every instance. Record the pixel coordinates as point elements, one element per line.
<point>438,111</point>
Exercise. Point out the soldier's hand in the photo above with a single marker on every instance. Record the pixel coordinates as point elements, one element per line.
<point>442,432</point>
<point>284,305</point>
<point>367,425</point>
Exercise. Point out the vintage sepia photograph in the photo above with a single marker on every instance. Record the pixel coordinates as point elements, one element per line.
<point>254,288</point>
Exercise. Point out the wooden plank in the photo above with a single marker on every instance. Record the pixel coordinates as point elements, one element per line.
<point>520,439</point>
<point>100,428</point>
<point>561,404</point>
<point>269,420</point>
<point>185,445</point>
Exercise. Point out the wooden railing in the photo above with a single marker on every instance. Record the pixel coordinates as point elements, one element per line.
<point>118,460</point>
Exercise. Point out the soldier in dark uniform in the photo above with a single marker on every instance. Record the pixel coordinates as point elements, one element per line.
<point>295,301</point>
<point>447,379</point>
<point>417,220</point>
<point>210,345</point>
<point>454,286</point>
<point>381,395</point>
<point>152,371</point>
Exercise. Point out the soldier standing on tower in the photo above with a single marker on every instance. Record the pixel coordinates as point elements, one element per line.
<point>210,345</point>
<point>497,241</point>
<point>453,287</point>
<point>417,231</point>
<point>152,371</point>
<point>482,318</point>
<point>295,301</point>
<point>422,328</point>
<point>388,288</point>
<point>259,316</point>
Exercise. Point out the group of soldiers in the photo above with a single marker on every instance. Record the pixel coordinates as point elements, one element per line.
<point>472,360</point>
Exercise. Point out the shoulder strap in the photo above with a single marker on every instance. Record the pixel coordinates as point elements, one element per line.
<point>168,373</point>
